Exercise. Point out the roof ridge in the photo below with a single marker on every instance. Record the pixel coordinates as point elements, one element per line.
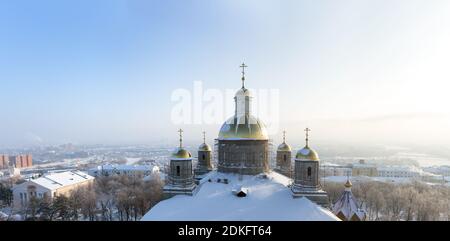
<point>52,180</point>
<point>79,175</point>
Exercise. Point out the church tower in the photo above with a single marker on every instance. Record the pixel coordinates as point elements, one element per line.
<point>346,207</point>
<point>180,176</point>
<point>243,142</point>
<point>284,154</point>
<point>204,164</point>
<point>306,175</point>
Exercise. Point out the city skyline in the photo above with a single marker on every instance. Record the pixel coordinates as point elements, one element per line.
<point>93,72</point>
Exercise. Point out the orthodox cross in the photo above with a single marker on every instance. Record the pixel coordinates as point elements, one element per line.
<point>243,66</point>
<point>307,130</point>
<point>284,136</point>
<point>181,137</point>
<point>204,137</point>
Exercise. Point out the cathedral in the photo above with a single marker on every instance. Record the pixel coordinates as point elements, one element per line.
<point>242,170</point>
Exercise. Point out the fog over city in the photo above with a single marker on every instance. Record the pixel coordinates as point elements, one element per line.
<point>109,77</point>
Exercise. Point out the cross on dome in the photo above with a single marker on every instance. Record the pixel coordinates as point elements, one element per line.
<point>181,137</point>
<point>307,130</point>
<point>243,66</point>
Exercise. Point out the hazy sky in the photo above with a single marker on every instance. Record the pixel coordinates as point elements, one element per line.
<point>103,71</point>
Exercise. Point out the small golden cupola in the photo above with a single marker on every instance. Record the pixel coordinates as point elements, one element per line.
<point>284,146</point>
<point>307,153</point>
<point>180,152</point>
<point>204,146</point>
<point>283,159</point>
<point>204,157</point>
<point>180,177</point>
<point>306,175</point>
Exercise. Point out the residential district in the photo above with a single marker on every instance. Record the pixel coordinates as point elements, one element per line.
<point>258,178</point>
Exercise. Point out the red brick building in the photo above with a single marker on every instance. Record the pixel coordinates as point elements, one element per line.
<point>4,161</point>
<point>21,161</point>
<point>18,161</point>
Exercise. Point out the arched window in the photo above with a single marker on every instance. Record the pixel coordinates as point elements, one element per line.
<point>203,157</point>
<point>284,157</point>
<point>309,171</point>
<point>178,171</point>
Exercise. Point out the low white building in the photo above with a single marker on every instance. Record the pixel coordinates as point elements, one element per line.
<point>129,170</point>
<point>49,186</point>
<point>400,171</point>
<point>329,169</point>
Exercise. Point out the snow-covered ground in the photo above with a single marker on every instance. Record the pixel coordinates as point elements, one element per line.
<point>5,214</point>
<point>268,198</point>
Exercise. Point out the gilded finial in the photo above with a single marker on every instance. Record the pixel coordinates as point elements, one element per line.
<point>284,136</point>
<point>181,138</point>
<point>243,66</point>
<point>204,137</point>
<point>307,130</point>
<point>348,184</point>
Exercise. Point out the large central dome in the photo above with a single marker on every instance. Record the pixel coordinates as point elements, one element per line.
<point>243,140</point>
<point>244,127</point>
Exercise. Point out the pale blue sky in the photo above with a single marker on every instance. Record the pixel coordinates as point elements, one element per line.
<point>102,71</point>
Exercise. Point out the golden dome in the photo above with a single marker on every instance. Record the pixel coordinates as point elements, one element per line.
<point>245,127</point>
<point>348,184</point>
<point>181,153</point>
<point>307,154</point>
<point>204,147</point>
<point>284,147</point>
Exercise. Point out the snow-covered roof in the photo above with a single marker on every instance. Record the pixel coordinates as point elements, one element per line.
<point>400,169</point>
<point>62,179</point>
<point>329,164</point>
<point>268,198</point>
<point>124,167</point>
<point>363,165</point>
<point>348,206</point>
